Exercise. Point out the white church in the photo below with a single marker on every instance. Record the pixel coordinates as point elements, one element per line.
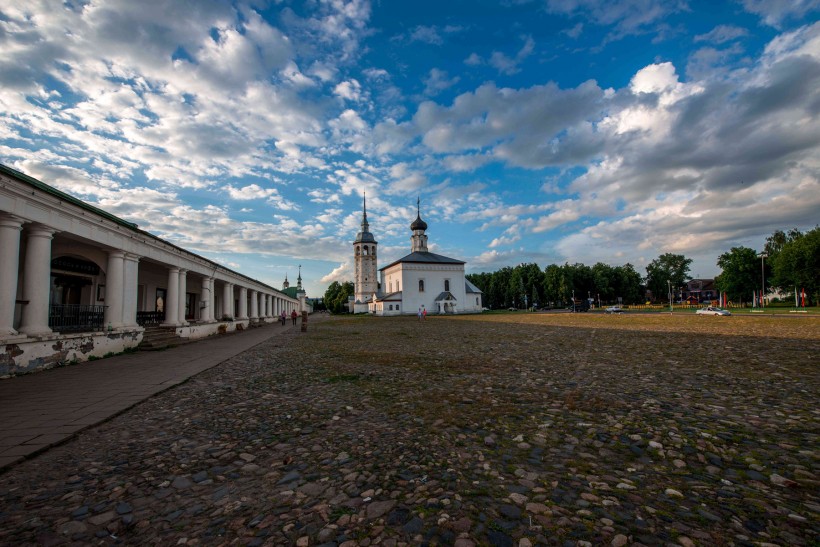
<point>419,280</point>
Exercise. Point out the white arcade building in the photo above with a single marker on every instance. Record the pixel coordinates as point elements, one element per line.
<point>77,282</point>
<point>419,280</point>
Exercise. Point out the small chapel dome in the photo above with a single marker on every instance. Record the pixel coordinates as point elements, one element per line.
<point>418,224</point>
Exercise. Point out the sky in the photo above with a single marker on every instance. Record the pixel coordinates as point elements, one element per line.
<point>544,131</point>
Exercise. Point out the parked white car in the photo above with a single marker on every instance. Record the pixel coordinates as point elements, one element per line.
<point>614,309</point>
<point>711,310</point>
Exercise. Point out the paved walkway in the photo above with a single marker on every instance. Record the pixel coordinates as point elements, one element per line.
<point>45,409</point>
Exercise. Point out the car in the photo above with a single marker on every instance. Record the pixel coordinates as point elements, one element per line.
<point>614,309</point>
<point>712,310</point>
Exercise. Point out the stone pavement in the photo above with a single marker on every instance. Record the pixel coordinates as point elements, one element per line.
<point>45,409</point>
<point>501,430</point>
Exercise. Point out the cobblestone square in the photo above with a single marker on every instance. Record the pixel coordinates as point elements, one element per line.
<point>472,430</point>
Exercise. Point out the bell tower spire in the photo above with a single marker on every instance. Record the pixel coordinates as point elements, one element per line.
<point>366,282</point>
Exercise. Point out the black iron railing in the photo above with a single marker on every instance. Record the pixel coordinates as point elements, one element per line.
<point>150,318</point>
<point>73,317</point>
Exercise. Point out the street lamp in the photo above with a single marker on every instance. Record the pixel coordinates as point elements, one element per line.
<point>763,257</point>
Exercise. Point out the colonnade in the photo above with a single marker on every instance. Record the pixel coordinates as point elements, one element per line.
<point>121,287</point>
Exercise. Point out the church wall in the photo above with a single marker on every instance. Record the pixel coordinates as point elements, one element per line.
<point>433,276</point>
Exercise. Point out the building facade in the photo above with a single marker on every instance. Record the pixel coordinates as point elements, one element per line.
<point>77,282</point>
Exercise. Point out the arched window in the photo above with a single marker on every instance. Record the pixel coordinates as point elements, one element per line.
<point>358,251</point>
<point>421,285</point>
<point>446,284</point>
<point>365,250</point>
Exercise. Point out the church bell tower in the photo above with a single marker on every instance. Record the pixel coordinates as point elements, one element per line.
<point>364,252</point>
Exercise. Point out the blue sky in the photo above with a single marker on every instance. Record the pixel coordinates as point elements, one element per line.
<point>545,131</point>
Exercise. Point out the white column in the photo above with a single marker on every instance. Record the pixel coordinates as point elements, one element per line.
<point>183,286</point>
<point>227,300</point>
<point>206,296</point>
<point>10,228</point>
<point>114,276</point>
<point>172,299</point>
<point>129,290</point>
<point>254,306</point>
<point>243,303</point>
<point>267,305</point>
<point>37,281</point>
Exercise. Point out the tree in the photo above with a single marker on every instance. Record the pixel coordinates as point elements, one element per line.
<point>628,285</point>
<point>336,296</point>
<point>667,267</point>
<point>779,239</point>
<point>797,265</point>
<point>741,273</point>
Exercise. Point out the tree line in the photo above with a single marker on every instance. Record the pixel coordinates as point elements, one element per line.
<point>527,285</point>
<point>791,261</point>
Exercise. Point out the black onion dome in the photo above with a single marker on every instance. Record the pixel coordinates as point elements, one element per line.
<point>418,224</point>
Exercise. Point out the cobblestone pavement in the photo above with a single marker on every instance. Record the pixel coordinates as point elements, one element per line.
<point>492,430</point>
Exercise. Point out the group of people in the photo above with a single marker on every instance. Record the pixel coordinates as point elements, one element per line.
<point>283,318</point>
<point>422,313</point>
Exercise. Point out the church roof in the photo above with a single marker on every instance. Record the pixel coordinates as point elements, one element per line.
<point>418,224</point>
<point>419,257</point>
<point>445,296</point>
<point>293,292</point>
<point>392,297</point>
<point>470,288</point>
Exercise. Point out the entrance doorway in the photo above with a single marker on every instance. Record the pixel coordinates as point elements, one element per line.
<point>190,306</point>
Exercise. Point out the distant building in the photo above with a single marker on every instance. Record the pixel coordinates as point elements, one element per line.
<point>298,292</point>
<point>419,280</point>
<point>698,291</point>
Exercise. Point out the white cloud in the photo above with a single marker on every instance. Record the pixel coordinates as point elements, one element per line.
<point>774,12</point>
<point>344,272</point>
<point>428,35</point>
<point>350,90</point>
<point>626,17</point>
<point>438,81</point>
<point>721,34</point>
<point>252,191</point>
<point>511,235</point>
<point>509,65</point>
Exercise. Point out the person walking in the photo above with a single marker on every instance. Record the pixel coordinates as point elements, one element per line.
<point>283,318</point>
<point>294,315</point>
<point>424,313</point>
<point>419,313</point>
